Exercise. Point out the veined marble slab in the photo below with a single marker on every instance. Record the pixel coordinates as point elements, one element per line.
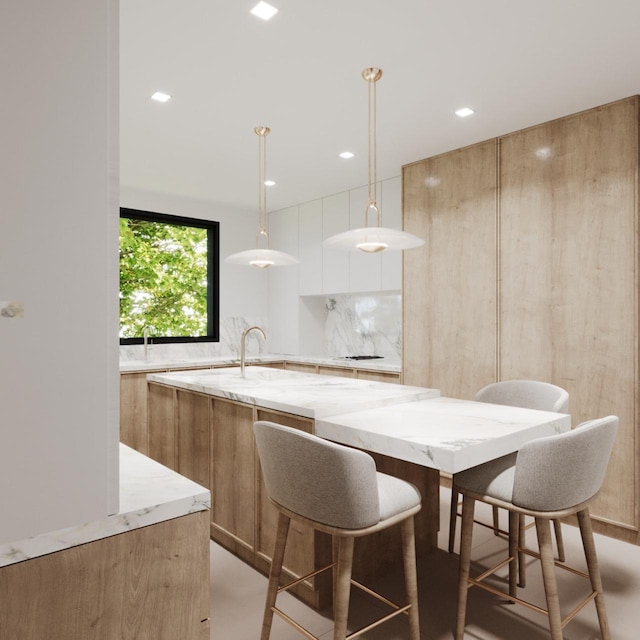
<point>304,394</point>
<point>149,493</point>
<point>388,365</point>
<point>443,433</point>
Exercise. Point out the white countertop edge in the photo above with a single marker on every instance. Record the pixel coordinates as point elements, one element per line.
<point>383,365</point>
<point>149,493</point>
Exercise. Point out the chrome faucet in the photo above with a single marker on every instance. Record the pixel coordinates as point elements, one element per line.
<point>243,341</point>
<point>146,342</point>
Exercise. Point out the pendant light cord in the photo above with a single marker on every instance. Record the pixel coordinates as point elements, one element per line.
<point>262,133</point>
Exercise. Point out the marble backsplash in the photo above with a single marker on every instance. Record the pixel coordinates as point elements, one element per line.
<point>230,333</point>
<point>354,324</point>
<point>364,324</point>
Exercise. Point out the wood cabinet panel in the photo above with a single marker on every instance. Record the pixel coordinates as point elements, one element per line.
<point>564,261</point>
<point>162,425</point>
<point>133,411</point>
<point>378,376</point>
<point>340,372</point>
<point>193,432</point>
<point>232,473</point>
<point>449,290</point>
<point>568,309</point>
<point>303,368</point>
<point>147,584</point>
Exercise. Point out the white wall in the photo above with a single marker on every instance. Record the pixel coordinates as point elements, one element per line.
<point>297,313</point>
<point>58,256</point>
<point>243,290</point>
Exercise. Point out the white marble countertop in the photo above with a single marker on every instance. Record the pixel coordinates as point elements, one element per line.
<point>149,493</point>
<point>304,394</point>
<point>443,433</point>
<point>378,364</point>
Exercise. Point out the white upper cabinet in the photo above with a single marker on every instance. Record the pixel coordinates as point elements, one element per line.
<point>390,194</point>
<point>282,333</point>
<point>335,263</point>
<point>310,234</point>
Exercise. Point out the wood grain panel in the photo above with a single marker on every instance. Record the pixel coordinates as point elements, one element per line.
<point>341,372</point>
<point>192,416</point>
<point>147,584</point>
<point>378,376</point>
<point>568,274</point>
<point>232,472</point>
<point>449,286</point>
<point>162,425</point>
<point>133,411</point>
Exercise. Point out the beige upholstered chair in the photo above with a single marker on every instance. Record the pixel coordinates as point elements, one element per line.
<point>528,394</point>
<point>338,491</point>
<point>553,477</point>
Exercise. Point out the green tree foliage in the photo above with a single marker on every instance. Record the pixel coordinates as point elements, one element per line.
<point>163,279</point>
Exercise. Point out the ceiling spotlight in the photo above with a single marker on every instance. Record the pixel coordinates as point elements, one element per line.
<point>269,183</point>
<point>464,112</point>
<point>264,10</point>
<point>158,96</point>
<point>346,155</point>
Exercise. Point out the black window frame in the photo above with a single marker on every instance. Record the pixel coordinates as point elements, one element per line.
<point>213,273</point>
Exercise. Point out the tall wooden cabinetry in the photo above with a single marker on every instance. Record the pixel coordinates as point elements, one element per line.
<point>534,276</point>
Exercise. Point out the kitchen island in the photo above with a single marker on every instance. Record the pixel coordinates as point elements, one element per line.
<point>201,424</point>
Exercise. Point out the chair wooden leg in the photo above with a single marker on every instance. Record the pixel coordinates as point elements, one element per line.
<point>496,521</point>
<point>274,574</point>
<point>514,519</point>
<point>343,587</point>
<point>411,576</point>
<point>586,533</point>
<point>468,505</point>
<point>453,517</point>
<point>522,557</point>
<point>543,530</point>
<point>557,527</point>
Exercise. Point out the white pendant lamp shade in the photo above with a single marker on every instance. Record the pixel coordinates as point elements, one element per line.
<point>262,258</point>
<point>371,239</point>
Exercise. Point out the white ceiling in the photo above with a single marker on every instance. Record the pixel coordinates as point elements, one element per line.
<point>516,63</point>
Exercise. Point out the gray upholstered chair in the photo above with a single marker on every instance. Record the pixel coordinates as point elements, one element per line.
<point>336,490</point>
<point>528,394</point>
<point>553,477</point>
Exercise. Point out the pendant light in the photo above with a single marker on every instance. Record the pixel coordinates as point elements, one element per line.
<point>372,239</point>
<point>264,257</point>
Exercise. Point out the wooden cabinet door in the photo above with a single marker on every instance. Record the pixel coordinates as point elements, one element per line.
<point>133,411</point>
<point>232,476</point>
<point>193,432</point>
<point>162,425</point>
<point>569,304</point>
<point>449,294</point>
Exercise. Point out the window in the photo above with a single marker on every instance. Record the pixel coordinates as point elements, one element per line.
<point>169,278</point>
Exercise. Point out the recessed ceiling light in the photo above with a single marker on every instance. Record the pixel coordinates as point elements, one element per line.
<point>269,183</point>
<point>346,155</point>
<point>464,112</point>
<point>264,10</point>
<point>158,96</point>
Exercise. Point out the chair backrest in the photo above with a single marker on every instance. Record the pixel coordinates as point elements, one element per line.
<point>528,394</point>
<point>562,471</point>
<point>318,479</point>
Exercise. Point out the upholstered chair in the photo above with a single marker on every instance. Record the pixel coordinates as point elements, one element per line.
<point>527,394</point>
<point>553,477</point>
<point>336,490</point>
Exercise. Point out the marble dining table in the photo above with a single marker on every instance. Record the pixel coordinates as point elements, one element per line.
<point>447,434</point>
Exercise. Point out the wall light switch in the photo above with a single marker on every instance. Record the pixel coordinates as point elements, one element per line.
<point>11,309</point>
